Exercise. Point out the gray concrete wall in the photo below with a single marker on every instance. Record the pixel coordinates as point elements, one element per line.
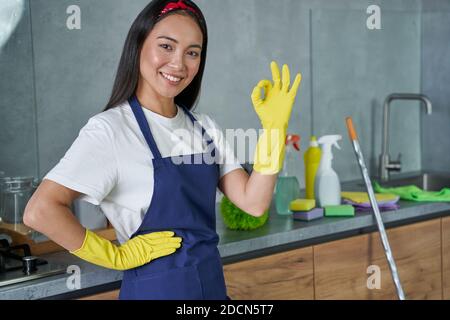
<point>436,84</point>
<point>18,154</point>
<point>347,70</point>
<point>354,69</point>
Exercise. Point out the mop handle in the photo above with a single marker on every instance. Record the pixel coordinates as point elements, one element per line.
<point>376,210</point>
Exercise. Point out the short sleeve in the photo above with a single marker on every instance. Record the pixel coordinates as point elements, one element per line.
<point>227,159</point>
<point>90,164</point>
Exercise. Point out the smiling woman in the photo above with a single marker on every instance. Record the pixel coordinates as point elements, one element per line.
<point>122,161</point>
<point>126,159</point>
<point>170,59</point>
<point>159,41</point>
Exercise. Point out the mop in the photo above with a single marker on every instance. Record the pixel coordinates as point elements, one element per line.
<point>376,210</point>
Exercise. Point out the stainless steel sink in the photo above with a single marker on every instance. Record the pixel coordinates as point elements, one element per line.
<point>425,181</point>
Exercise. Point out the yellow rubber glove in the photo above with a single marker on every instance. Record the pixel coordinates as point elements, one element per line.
<point>274,112</point>
<point>133,253</point>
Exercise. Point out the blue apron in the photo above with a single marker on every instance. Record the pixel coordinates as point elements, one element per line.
<point>183,201</point>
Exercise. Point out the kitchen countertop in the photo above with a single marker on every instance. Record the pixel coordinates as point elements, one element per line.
<point>278,234</point>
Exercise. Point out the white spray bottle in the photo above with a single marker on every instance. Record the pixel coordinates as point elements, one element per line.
<point>327,188</point>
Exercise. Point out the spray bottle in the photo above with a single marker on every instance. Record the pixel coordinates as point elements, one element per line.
<point>327,187</point>
<point>287,188</point>
<point>312,161</point>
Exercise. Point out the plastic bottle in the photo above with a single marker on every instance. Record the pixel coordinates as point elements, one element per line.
<point>327,187</point>
<point>287,187</point>
<point>312,160</point>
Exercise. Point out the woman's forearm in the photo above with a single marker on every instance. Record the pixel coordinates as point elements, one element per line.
<point>54,218</point>
<point>251,194</point>
<point>59,225</point>
<point>259,191</point>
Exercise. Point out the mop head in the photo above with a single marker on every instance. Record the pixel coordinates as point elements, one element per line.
<point>236,219</point>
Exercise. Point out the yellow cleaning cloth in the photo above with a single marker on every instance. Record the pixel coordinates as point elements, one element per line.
<point>302,204</point>
<point>363,197</point>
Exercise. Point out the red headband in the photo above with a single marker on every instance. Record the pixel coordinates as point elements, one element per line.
<point>177,5</point>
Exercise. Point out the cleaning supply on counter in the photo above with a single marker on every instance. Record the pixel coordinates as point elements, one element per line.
<point>414,193</point>
<point>343,210</point>
<point>305,210</point>
<point>312,161</point>
<point>313,214</point>
<point>368,207</point>
<point>361,202</point>
<point>327,187</point>
<point>288,187</point>
<point>302,204</point>
<point>383,206</point>
<point>362,197</point>
<point>237,219</point>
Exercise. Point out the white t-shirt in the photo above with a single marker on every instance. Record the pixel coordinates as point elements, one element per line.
<point>111,163</point>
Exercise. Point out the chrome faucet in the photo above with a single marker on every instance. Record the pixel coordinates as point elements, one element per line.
<point>386,165</point>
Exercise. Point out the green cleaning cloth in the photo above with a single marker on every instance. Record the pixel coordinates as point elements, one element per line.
<point>414,193</point>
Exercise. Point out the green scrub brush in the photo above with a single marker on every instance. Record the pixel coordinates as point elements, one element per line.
<point>236,219</point>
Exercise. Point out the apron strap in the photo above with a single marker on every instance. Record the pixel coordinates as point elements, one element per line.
<point>143,124</point>
<point>193,119</point>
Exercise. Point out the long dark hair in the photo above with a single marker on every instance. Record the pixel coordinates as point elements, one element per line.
<point>127,75</point>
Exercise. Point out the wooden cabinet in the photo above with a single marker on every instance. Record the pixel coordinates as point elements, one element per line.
<point>109,295</point>
<point>286,275</point>
<point>446,258</point>
<point>417,253</point>
<point>341,266</point>
<point>339,269</point>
